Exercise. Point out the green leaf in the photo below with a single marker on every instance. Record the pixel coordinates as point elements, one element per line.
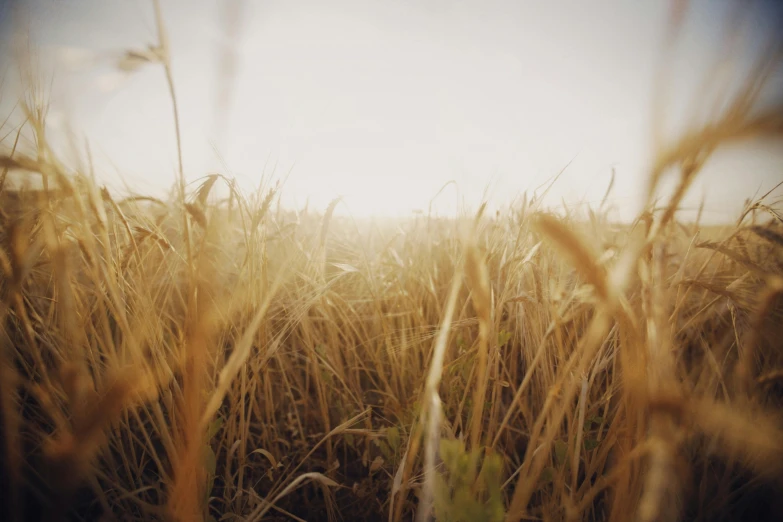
<point>462,492</point>
<point>594,419</point>
<point>393,437</point>
<point>548,474</point>
<point>591,444</point>
<point>450,450</point>
<point>493,464</point>
<point>503,338</point>
<point>210,462</point>
<point>561,452</point>
<point>496,512</point>
<point>388,453</point>
<point>491,470</point>
<point>465,370</point>
<point>327,376</point>
<point>214,428</point>
<point>466,469</point>
<point>442,501</point>
<point>463,502</point>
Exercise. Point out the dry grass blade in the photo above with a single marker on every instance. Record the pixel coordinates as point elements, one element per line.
<point>608,190</point>
<point>658,480</point>
<point>304,477</point>
<point>430,415</point>
<point>71,454</point>
<point>714,288</point>
<point>769,234</point>
<point>477,277</point>
<point>326,220</point>
<point>746,370</point>
<point>734,256</point>
<point>237,359</point>
<point>197,214</point>
<point>19,162</point>
<point>576,251</point>
<point>753,437</point>
<point>335,431</point>
<point>203,191</point>
<point>550,418</point>
<point>263,209</point>
<point>770,377</point>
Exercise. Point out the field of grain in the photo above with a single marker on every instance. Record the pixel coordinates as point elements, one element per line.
<point>268,364</point>
<point>223,358</point>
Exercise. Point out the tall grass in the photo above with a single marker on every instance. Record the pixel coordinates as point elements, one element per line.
<point>214,359</point>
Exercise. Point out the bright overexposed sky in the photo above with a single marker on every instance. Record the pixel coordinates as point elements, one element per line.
<point>384,101</point>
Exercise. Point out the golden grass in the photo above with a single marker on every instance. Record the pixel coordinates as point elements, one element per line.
<point>203,359</point>
<point>608,386</point>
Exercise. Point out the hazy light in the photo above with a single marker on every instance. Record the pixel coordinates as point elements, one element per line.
<point>385,102</point>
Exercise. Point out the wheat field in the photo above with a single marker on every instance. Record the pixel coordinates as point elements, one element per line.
<point>222,358</point>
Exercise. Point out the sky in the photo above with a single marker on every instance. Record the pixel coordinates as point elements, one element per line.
<point>383,102</point>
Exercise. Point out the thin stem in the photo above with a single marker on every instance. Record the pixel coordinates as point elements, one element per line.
<point>163,50</point>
